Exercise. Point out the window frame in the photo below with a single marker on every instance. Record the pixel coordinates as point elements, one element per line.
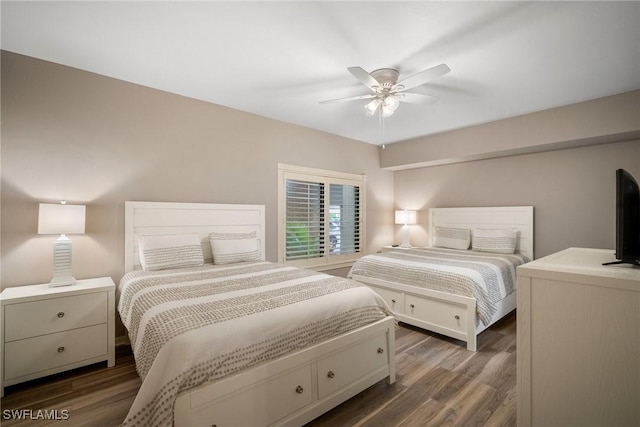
<point>327,177</point>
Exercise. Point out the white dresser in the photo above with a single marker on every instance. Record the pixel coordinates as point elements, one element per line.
<point>578,341</point>
<point>49,330</point>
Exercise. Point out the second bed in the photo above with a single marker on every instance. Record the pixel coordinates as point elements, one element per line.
<point>458,286</point>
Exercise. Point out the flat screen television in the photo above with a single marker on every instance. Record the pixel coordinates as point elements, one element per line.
<point>627,219</point>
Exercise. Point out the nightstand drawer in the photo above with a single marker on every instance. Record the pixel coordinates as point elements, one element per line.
<point>29,356</point>
<point>31,319</point>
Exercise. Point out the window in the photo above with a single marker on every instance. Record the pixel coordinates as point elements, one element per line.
<point>321,217</point>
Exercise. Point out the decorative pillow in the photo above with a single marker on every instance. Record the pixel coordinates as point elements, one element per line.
<point>452,238</point>
<point>228,248</point>
<point>501,241</point>
<point>160,252</point>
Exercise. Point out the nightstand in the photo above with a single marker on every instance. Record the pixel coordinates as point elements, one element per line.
<point>49,330</point>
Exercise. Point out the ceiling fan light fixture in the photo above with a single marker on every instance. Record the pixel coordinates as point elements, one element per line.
<point>386,111</point>
<point>391,102</point>
<point>372,106</point>
<point>388,105</point>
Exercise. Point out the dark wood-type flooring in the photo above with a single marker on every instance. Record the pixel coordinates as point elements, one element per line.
<point>439,383</point>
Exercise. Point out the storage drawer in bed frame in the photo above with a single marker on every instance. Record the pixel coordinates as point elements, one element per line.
<point>447,314</point>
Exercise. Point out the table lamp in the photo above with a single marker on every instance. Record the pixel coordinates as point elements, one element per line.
<point>405,218</point>
<point>61,219</point>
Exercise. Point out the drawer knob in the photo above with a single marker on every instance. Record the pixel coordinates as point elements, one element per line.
<point>412,306</point>
<point>60,349</point>
<point>61,314</point>
<point>299,389</point>
<point>380,350</point>
<point>330,374</point>
<point>457,317</point>
<point>393,301</point>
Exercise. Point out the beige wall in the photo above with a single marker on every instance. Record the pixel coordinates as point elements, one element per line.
<point>99,141</point>
<point>562,161</point>
<point>610,119</point>
<point>69,134</point>
<point>572,191</point>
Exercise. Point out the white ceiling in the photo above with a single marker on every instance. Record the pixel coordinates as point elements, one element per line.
<point>279,59</point>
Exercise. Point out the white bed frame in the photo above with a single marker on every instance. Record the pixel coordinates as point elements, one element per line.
<point>288,391</point>
<point>448,314</point>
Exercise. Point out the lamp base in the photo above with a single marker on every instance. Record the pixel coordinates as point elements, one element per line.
<point>404,232</point>
<point>62,281</point>
<point>62,275</point>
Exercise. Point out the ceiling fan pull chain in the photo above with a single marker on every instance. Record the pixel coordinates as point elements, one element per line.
<point>380,127</point>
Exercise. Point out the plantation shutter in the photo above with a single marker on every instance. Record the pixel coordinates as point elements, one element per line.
<point>321,217</point>
<point>305,220</point>
<point>344,219</point>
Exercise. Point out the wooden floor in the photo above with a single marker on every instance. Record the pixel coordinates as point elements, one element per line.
<point>439,383</point>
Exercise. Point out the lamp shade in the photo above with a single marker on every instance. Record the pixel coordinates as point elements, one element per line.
<point>61,219</point>
<point>406,217</point>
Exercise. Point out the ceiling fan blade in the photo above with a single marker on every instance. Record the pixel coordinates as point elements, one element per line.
<point>364,77</point>
<point>351,98</point>
<point>423,77</point>
<point>416,98</point>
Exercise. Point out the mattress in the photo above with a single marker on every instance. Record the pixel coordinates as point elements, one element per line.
<point>487,277</point>
<point>195,325</point>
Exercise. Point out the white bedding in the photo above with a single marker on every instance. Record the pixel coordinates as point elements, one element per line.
<point>487,277</point>
<point>195,325</point>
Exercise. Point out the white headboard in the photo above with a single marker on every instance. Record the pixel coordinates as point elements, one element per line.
<point>177,218</point>
<point>519,217</point>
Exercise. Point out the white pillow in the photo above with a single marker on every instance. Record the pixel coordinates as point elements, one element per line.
<point>160,252</point>
<point>501,241</point>
<point>228,248</point>
<point>452,238</point>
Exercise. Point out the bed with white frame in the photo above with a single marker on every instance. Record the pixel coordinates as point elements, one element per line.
<point>450,314</point>
<point>290,390</point>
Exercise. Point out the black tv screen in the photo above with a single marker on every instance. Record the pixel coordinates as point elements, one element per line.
<point>627,219</point>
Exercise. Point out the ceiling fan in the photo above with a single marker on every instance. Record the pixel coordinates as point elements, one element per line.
<point>387,92</point>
